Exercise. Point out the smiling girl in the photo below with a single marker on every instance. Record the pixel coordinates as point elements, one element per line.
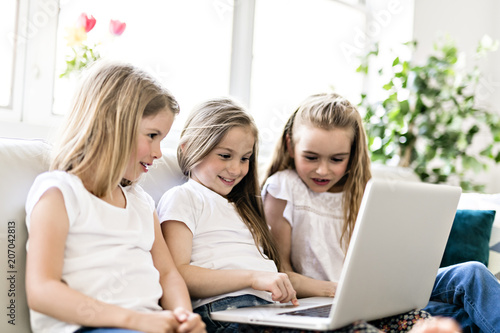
<point>96,258</point>
<point>214,224</point>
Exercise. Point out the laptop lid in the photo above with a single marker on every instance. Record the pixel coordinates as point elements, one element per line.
<point>391,263</point>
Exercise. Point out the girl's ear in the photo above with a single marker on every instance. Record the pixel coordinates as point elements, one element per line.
<point>183,146</point>
<point>289,147</point>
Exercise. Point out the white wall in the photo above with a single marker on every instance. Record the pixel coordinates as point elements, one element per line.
<point>466,22</point>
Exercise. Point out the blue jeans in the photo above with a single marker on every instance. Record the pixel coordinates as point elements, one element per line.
<point>226,303</point>
<point>470,293</point>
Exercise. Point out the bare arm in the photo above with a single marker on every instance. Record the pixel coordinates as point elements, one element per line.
<point>203,282</point>
<point>175,293</point>
<point>48,294</point>
<point>282,233</point>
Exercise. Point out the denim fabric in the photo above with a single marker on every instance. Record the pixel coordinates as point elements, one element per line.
<point>104,330</point>
<point>470,293</point>
<point>224,304</point>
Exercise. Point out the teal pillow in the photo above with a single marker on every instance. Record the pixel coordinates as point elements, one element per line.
<point>469,237</point>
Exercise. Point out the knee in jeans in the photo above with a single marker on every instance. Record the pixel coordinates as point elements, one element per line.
<point>471,270</point>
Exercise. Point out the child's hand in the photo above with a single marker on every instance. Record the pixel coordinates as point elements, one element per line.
<point>330,288</point>
<point>278,284</point>
<point>156,322</point>
<point>180,320</point>
<point>189,321</point>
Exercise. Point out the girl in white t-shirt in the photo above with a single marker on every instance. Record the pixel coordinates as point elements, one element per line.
<point>312,196</point>
<point>96,259</point>
<point>214,224</point>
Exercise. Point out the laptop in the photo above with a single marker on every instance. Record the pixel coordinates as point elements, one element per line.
<point>391,263</point>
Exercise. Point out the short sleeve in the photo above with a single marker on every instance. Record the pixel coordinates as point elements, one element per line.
<point>179,204</point>
<point>63,181</point>
<point>279,186</point>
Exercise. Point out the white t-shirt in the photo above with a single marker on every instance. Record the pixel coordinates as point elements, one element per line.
<point>221,240</point>
<point>316,220</point>
<point>107,254</point>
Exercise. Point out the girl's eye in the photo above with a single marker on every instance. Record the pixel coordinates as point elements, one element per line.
<point>245,159</point>
<point>337,160</point>
<point>311,158</point>
<point>225,156</point>
<point>152,135</point>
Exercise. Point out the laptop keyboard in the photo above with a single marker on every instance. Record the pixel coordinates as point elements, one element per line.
<point>318,311</point>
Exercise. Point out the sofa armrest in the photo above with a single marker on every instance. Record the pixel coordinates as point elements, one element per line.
<point>20,162</point>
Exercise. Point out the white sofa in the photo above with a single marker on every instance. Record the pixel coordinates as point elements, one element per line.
<point>22,160</point>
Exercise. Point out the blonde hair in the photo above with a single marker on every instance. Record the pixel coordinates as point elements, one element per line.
<point>330,111</point>
<point>205,128</point>
<point>101,128</point>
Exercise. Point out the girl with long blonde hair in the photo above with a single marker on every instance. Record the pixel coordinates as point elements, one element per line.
<point>96,258</point>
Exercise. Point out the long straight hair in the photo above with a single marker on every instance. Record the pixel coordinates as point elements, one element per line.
<point>331,111</point>
<point>205,128</point>
<point>101,128</point>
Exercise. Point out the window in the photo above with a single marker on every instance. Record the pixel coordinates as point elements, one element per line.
<point>185,44</point>
<point>11,59</point>
<point>269,54</point>
<point>7,52</point>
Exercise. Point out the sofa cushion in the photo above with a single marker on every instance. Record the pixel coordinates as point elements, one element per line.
<point>484,201</point>
<point>163,175</point>
<point>469,237</point>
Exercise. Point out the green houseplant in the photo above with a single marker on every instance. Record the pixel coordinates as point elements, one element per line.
<point>429,117</point>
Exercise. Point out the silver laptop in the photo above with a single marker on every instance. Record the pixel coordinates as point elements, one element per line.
<point>391,264</point>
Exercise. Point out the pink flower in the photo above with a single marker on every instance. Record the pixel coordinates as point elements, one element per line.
<point>86,22</point>
<point>116,27</point>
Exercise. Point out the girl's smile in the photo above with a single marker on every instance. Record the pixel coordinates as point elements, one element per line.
<point>226,165</point>
<point>321,156</point>
<point>145,166</point>
<point>229,182</point>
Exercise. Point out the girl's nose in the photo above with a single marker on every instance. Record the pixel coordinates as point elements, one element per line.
<point>156,152</point>
<point>234,167</point>
<point>322,168</point>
